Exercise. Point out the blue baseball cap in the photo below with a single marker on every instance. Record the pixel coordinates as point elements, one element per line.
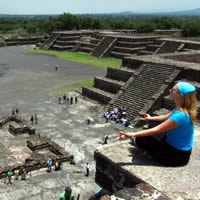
<point>184,87</point>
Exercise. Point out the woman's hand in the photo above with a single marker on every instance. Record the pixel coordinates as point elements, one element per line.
<point>145,117</point>
<point>123,136</point>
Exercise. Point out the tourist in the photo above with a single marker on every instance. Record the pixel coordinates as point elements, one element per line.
<point>32,119</point>
<point>57,165</point>
<point>23,174</point>
<point>65,98</point>
<point>9,175</point>
<point>176,146</point>
<point>59,100</point>
<point>78,197</point>
<point>36,119</point>
<point>76,99</point>
<point>16,173</point>
<point>17,111</point>
<point>105,139</point>
<point>49,164</point>
<point>71,99</point>
<point>13,112</point>
<point>87,167</point>
<point>56,67</point>
<point>67,195</point>
<point>90,120</point>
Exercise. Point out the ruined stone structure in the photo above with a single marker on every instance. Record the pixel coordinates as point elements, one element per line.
<point>142,83</point>
<point>41,148</point>
<point>97,44</point>
<point>21,40</point>
<point>115,44</point>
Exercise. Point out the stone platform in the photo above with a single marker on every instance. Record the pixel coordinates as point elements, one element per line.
<point>122,162</point>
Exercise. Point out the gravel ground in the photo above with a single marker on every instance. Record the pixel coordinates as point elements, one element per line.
<point>25,80</point>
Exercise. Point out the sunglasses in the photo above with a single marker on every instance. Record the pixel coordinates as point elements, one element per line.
<point>173,90</point>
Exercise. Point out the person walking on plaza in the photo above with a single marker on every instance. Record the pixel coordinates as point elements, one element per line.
<point>71,99</point>
<point>87,167</point>
<point>57,165</point>
<point>67,195</point>
<point>17,111</point>
<point>59,100</point>
<point>105,139</point>
<point>23,174</point>
<point>36,119</point>
<point>16,173</point>
<point>32,119</point>
<point>175,148</point>
<point>49,164</point>
<point>76,99</point>
<point>9,175</point>
<point>65,98</point>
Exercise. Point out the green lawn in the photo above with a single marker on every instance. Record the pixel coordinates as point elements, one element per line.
<point>70,87</point>
<point>82,57</point>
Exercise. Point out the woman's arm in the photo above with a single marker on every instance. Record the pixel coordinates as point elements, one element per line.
<point>161,128</point>
<point>147,117</point>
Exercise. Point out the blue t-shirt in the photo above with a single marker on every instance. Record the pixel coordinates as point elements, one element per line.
<point>181,137</point>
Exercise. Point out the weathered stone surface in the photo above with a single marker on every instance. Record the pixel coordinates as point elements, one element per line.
<point>179,182</point>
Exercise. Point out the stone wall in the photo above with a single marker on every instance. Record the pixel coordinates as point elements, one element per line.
<point>35,143</point>
<point>113,177</point>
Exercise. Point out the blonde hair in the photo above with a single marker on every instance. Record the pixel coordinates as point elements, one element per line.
<point>189,105</point>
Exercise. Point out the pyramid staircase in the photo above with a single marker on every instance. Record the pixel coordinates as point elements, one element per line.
<point>142,92</point>
<point>103,46</point>
<point>169,47</point>
<point>128,46</point>
<point>105,89</point>
<point>49,42</point>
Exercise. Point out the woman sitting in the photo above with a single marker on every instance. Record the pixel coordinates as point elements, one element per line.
<point>175,148</point>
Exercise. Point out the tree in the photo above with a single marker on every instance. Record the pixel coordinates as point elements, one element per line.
<point>31,28</point>
<point>191,29</point>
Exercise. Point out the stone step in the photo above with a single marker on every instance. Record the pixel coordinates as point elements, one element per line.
<point>120,55</point>
<point>85,49</point>
<point>65,43</point>
<point>94,41</point>
<point>187,50</point>
<point>145,52</point>
<point>127,50</point>
<point>121,74</point>
<point>103,46</point>
<point>133,44</point>
<point>138,39</point>
<point>107,84</point>
<point>152,47</point>
<point>96,94</point>
<point>87,44</point>
<point>68,47</point>
<point>159,42</point>
<point>68,38</point>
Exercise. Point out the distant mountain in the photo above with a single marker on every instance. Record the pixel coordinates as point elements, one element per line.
<point>193,12</point>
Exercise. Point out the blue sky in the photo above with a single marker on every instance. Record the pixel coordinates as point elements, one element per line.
<point>93,6</point>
